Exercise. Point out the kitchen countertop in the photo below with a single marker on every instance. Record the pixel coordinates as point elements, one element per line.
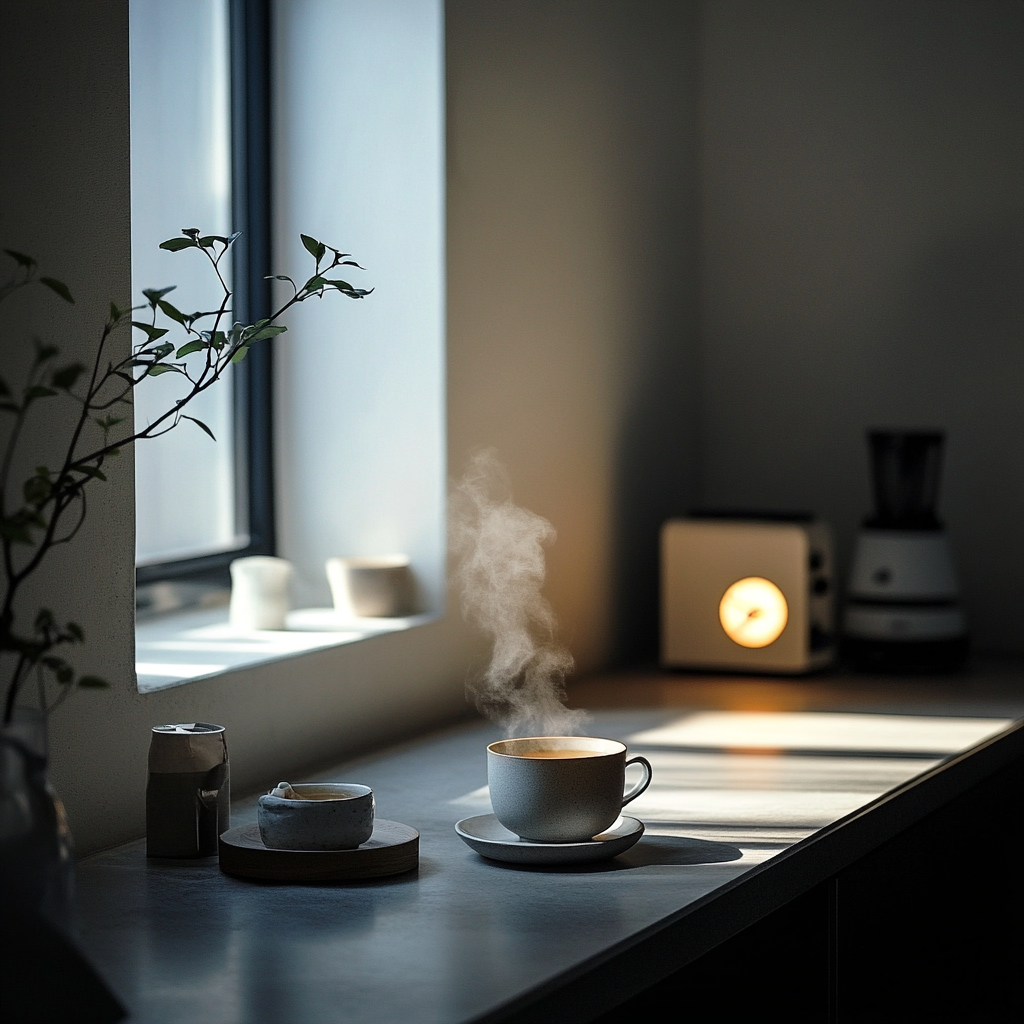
<point>761,789</point>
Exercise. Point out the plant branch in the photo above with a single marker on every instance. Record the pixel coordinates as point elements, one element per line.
<point>49,495</point>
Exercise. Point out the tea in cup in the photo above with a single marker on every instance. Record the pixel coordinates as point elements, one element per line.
<point>560,789</point>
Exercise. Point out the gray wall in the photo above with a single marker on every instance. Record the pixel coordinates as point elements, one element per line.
<point>64,199</point>
<point>572,290</point>
<point>859,211</point>
<point>862,190</point>
<point>64,196</point>
<point>571,317</point>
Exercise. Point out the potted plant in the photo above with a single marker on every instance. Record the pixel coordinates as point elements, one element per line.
<point>47,509</point>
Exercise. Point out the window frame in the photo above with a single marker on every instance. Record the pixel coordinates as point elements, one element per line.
<point>249,31</point>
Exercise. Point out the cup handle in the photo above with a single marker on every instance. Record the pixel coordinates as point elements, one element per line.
<point>643,784</point>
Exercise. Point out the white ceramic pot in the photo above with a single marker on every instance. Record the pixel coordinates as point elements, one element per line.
<point>376,587</point>
<point>259,592</point>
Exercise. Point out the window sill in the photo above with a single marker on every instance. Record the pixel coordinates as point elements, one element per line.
<point>189,646</point>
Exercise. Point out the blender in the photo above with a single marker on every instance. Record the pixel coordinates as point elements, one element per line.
<point>903,602</point>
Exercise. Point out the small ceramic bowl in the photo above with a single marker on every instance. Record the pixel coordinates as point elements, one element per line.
<point>316,816</point>
<point>380,587</point>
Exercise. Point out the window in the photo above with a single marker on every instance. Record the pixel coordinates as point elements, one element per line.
<point>359,161</point>
<point>355,96</point>
<point>200,124</point>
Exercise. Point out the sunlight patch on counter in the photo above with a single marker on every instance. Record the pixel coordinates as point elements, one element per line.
<point>908,735</point>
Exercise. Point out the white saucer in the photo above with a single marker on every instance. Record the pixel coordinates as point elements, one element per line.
<point>485,834</point>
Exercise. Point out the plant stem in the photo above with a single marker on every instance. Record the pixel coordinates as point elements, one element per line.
<point>69,483</point>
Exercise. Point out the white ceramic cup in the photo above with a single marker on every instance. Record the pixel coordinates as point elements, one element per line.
<point>375,587</point>
<point>316,816</point>
<point>560,789</point>
<point>259,592</point>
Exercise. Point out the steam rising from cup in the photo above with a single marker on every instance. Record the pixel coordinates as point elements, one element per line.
<point>499,569</point>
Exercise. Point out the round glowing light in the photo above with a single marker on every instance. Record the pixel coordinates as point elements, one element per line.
<point>753,612</point>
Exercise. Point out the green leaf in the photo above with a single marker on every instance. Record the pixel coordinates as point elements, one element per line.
<point>163,350</point>
<point>155,371</point>
<point>191,232</point>
<point>192,317</point>
<point>59,287</point>
<point>269,332</point>
<point>218,340</point>
<point>38,391</point>
<point>66,377</point>
<point>189,348</point>
<point>151,332</point>
<point>177,244</point>
<point>25,261</point>
<point>313,247</point>
<point>93,683</point>
<point>315,283</point>
<point>171,311</point>
<point>207,241</point>
<point>199,423</point>
<point>154,294</point>
<point>347,289</point>
<point>248,332</point>
<point>240,354</point>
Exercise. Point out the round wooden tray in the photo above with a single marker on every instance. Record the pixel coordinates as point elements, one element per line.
<point>392,849</point>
